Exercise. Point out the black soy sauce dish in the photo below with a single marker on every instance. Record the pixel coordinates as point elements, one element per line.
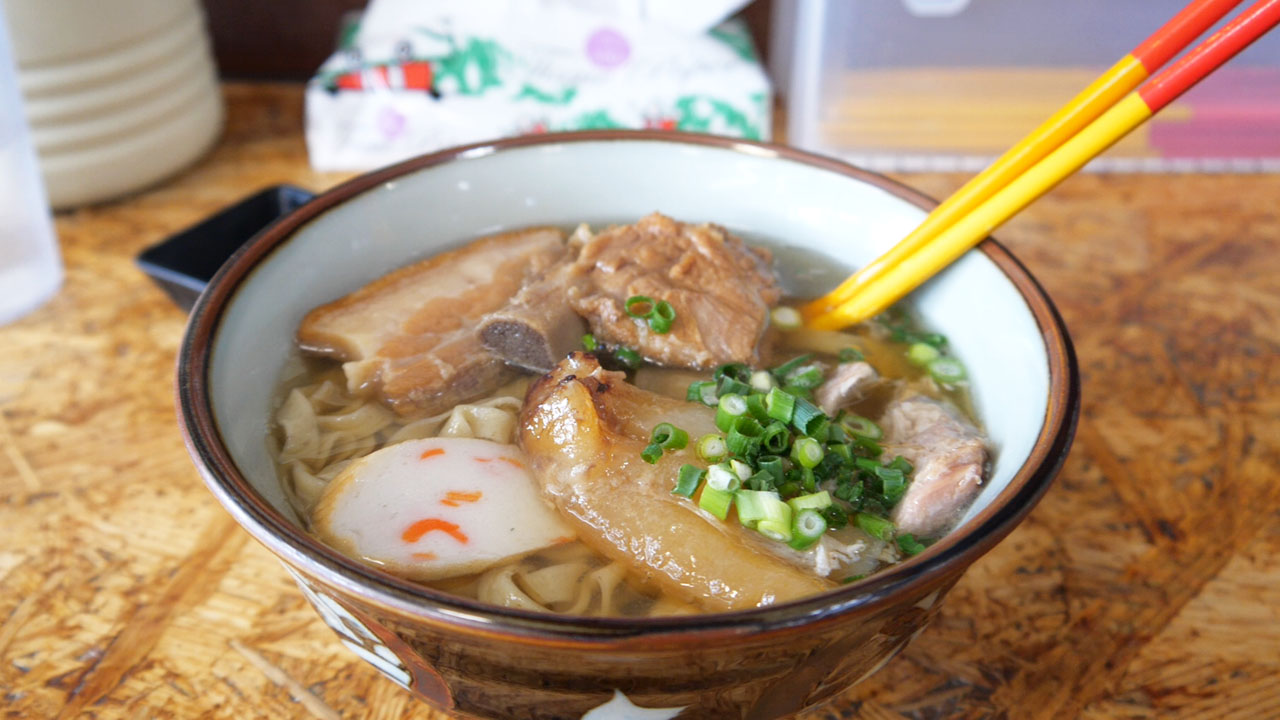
<point>183,263</point>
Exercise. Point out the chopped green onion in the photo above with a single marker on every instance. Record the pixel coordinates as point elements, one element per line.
<point>808,482</point>
<point>741,469</point>
<point>851,354</point>
<point>639,301</point>
<point>733,386</point>
<point>868,465</point>
<point>716,502</point>
<point>750,506</point>
<point>780,405</point>
<point>807,377</point>
<point>651,454</point>
<point>893,486</point>
<point>858,425</point>
<point>762,480</point>
<point>589,342</point>
<point>733,404</point>
<point>840,452</point>
<point>831,463</point>
<point>807,527</point>
<point>762,381</point>
<point>741,444</point>
<point>867,445</point>
<point>922,354</point>
<point>807,452</point>
<point>900,464</point>
<point>934,339</point>
<point>849,492</point>
<point>802,393</point>
<point>779,530</point>
<point>722,477</point>
<point>836,517</point>
<point>669,437</point>
<point>805,414</point>
<point>737,371</point>
<point>755,406</point>
<point>703,391</point>
<point>711,448</point>
<point>756,506</point>
<point>947,370</point>
<point>748,426</point>
<point>775,438</point>
<point>661,317</point>
<point>744,437</point>
<point>819,428</point>
<point>785,368</point>
<point>853,578</point>
<point>771,464</point>
<point>786,318</point>
<point>875,526</point>
<point>899,323</point>
<point>627,356</point>
<point>730,408</point>
<point>910,545</point>
<point>688,480</point>
<point>812,501</point>
<point>790,488</point>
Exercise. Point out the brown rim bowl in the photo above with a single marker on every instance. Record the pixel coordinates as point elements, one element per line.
<point>484,661</point>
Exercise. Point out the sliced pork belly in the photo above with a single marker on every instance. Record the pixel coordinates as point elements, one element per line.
<point>410,336</point>
<point>721,291</point>
<point>582,429</point>
<point>437,508</point>
<point>847,384</point>
<point>949,457</point>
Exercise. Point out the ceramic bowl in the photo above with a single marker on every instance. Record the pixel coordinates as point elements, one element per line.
<point>483,661</point>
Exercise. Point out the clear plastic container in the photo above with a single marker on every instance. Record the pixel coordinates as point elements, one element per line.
<point>30,269</point>
<point>951,84</point>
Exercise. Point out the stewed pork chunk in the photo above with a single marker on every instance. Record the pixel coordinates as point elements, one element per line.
<point>721,291</point>
<point>949,457</point>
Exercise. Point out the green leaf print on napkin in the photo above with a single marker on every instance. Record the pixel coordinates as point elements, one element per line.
<point>706,114</point>
<point>564,97</point>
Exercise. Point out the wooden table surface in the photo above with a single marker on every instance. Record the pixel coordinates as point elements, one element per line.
<point>1146,583</point>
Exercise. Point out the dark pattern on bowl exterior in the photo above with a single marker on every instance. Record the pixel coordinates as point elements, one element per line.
<point>504,663</point>
<point>749,674</point>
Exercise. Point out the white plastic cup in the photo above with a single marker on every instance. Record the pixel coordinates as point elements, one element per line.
<point>30,267</point>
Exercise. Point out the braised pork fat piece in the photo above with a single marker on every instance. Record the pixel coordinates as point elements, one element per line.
<point>949,457</point>
<point>582,429</point>
<point>410,337</point>
<point>721,290</point>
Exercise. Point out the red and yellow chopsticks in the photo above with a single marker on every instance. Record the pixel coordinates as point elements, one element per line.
<point>1089,124</point>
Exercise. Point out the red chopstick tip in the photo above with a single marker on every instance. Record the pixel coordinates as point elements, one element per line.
<point>1209,55</point>
<point>1180,31</point>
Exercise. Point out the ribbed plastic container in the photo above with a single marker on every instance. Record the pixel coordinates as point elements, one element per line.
<point>951,84</point>
<point>30,269</point>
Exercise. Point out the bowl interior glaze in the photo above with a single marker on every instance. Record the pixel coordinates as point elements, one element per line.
<point>751,189</point>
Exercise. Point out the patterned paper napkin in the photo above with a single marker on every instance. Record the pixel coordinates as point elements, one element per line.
<point>419,75</point>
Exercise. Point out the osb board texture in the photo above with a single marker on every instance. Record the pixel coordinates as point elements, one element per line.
<point>1146,583</point>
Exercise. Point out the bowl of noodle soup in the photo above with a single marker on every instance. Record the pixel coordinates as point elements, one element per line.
<point>269,430</point>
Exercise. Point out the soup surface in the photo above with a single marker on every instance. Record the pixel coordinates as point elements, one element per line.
<point>632,422</point>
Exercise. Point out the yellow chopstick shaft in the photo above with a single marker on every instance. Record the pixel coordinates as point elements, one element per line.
<point>899,279</point>
<point>1089,104</point>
